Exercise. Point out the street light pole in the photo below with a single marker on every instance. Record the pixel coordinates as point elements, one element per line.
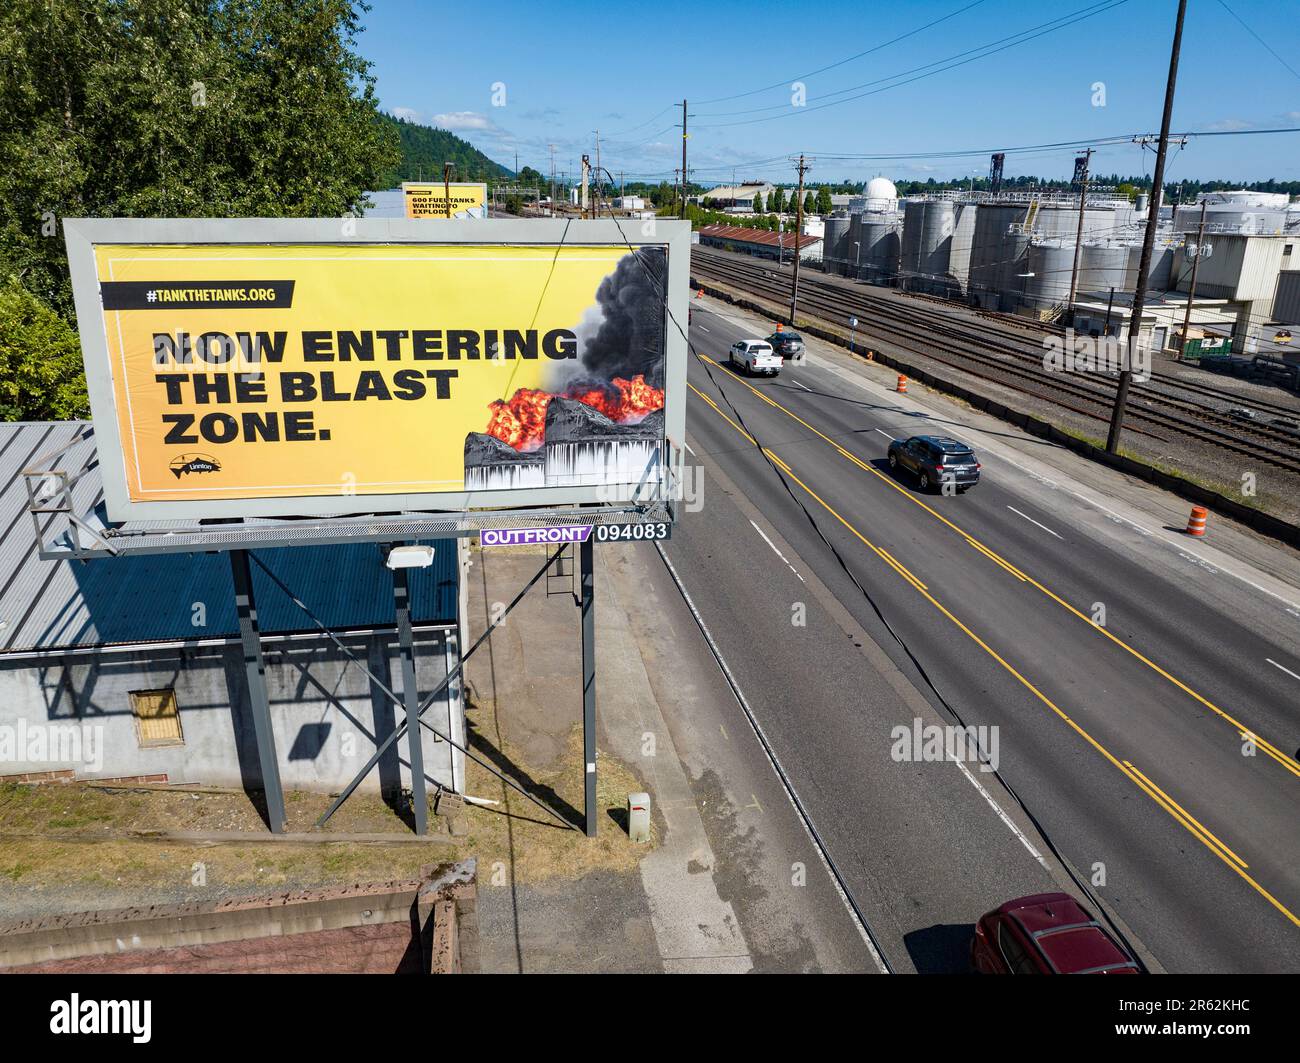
<point>1191,294</point>
<point>1148,240</point>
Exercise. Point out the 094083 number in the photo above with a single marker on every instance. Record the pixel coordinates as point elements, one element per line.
<point>608,533</point>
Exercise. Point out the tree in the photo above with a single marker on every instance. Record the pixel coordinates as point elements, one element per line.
<point>40,360</point>
<point>824,205</point>
<point>178,108</point>
<point>809,204</point>
<point>780,199</point>
<point>771,203</point>
<point>758,202</point>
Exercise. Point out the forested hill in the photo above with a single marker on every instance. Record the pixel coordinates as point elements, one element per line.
<point>425,149</point>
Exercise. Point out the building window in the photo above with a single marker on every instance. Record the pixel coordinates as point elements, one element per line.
<point>157,717</point>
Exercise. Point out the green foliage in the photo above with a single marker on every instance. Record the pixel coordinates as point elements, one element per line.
<point>178,108</point>
<point>758,202</point>
<point>809,203</point>
<point>40,360</point>
<point>824,200</point>
<point>424,150</point>
<point>780,200</point>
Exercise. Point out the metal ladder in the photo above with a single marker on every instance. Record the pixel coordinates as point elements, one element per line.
<point>559,577</point>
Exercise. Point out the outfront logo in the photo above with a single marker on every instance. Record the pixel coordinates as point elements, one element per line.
<point>194,463</point>
<point>75,1015</point>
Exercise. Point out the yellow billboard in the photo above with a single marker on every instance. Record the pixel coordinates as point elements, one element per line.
<point>290,371</point>
<point>428,199</point>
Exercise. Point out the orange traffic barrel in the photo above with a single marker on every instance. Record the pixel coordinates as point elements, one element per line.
<point>1196,522</point>
<point>902,384</point>
<point>699,294</point>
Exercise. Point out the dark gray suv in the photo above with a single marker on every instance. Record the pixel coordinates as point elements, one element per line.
<point>935,460</point>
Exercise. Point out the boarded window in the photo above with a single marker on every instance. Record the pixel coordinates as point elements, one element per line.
<point>157,717</point>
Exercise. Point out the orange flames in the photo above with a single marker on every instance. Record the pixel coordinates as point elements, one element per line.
<point>521,420</point>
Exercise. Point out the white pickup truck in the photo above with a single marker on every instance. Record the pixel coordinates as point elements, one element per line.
<point>756,356</point>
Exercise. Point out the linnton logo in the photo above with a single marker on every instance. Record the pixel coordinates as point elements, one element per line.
<point>75,1015</point>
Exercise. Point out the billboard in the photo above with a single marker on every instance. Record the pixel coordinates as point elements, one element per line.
<point>428,199</point>
<point>273,368</point>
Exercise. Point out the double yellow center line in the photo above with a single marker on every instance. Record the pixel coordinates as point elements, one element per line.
<point>1180,816</point>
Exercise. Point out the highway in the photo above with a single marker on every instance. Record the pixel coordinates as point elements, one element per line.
<point>1145,703</point>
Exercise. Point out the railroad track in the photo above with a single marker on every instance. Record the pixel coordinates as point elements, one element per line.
<point>991,353</point>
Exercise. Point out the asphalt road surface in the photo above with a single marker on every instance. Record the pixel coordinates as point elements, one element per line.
<point>1145,718</point>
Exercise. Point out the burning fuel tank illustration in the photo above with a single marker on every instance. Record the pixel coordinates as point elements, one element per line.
<point>602,421</point>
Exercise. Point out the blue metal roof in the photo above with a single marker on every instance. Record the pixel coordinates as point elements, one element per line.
<point>53,605</point>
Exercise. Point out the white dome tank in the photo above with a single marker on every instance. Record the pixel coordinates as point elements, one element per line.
<point>881,195</point>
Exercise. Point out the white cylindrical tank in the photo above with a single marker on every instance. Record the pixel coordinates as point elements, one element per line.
<point>837,253</point>
<point>874,239</point>
<point>927,244</point>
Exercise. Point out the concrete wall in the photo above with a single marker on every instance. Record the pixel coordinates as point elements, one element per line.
<point>325,713</point>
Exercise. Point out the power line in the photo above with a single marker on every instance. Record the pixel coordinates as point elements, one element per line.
<point>984,51</point>
<point>840,62</point>
<point>1267,47</point>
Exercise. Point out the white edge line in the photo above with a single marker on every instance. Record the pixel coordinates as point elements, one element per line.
<point>1286,670</point>
<point>786,785</point>
<point>1001,814</point>
<point>887,435</point>
<point>1032,521</point>
<point>798,385</point>
<point>778,552</point>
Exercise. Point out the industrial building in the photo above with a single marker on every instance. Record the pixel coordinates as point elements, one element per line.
<point>132,666</point>
<point>1015,251</point>
<point>741,195</point>
<point>761,242</point>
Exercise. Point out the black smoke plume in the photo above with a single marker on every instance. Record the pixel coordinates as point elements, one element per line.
<point>628,336</point>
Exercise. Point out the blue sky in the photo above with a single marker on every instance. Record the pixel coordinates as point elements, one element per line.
<point>568,70</point>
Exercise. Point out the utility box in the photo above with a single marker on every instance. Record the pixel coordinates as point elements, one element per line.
<point>638,817</point>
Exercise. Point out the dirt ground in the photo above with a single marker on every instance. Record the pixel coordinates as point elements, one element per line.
<point>68,847</point>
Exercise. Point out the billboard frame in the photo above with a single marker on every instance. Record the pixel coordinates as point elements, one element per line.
<point>84,235</point>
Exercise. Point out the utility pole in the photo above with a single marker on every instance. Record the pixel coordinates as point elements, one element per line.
<point>684,135</point>
<point>586,171</point>
<point>1149,239</point>
<point>446,184</point>
<point>1085,159</point>
<point>599,171</point>
<point>798,228</point>
<point>1191,295</point>
<point>552,150</point>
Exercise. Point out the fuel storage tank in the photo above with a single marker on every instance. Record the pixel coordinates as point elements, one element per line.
<point>928,226</point>
<point>1103,265</point>
<point>837,252</point>
<point>875,239</point>
<point>994,250</point>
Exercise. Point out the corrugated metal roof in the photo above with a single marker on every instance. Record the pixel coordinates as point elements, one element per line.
<point>48,605</point>
<point>744,234</point>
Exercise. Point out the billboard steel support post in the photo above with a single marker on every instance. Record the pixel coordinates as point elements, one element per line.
<point>411,698</point>
<point>586,556</point>
<point>255,673</point>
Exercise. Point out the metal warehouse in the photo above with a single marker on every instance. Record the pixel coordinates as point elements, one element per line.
<point>760,242</point>
<point>122,667</point>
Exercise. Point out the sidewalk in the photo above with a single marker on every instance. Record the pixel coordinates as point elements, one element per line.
<point>657,913</point>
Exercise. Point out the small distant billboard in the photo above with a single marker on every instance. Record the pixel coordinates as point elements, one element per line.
<point>286,367</point>
<point>429,199</point>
